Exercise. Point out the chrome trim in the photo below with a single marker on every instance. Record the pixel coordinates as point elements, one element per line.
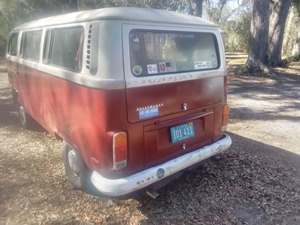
<point>126,185</point>
<point>172,78</point>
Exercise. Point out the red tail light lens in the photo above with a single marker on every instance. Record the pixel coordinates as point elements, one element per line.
<point>119,150</point>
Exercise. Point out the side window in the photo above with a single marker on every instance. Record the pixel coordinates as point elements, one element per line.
<point>31,45</point>
<point>13,44</point>
<point>63,48</point>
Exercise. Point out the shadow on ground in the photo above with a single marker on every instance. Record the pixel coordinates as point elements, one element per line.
<point>253,184</point>
<point>265,99</point>
<point>7,109</point>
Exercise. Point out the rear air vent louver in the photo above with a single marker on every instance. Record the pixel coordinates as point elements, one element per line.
<point>92,48</point>
<point>89,43</point>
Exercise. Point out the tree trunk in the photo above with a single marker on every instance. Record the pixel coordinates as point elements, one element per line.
<point>221,6</point>
<point>198,8</point>
<point>291,38</point>
<point>190,7</point>
<point>257,58</point>
<point>279,13</point>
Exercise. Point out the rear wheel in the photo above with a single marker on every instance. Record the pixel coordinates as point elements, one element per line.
<point>25,119</point>
<point>14,97</point>
<point>74,166</point>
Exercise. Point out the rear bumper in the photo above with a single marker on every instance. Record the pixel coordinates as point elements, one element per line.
<point>140,180</point>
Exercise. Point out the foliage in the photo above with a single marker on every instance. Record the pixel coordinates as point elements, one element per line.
<point>238,34</point>
<point>296,4</point>
<point>232,15</point>
<point>234,18</point>
<point>15,12</point>
<point>291,48</point>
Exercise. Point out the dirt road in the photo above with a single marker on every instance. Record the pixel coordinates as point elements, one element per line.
<point>256,182</point>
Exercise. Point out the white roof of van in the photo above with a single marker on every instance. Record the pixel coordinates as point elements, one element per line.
<point>119,13</point>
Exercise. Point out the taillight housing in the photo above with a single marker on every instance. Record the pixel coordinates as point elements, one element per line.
<point>120,150</point>
<point>225,117</point>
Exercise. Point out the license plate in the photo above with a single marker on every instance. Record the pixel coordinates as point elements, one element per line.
<point>182,132</point>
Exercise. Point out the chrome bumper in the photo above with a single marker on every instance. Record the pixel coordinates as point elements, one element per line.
<point>126,185</point>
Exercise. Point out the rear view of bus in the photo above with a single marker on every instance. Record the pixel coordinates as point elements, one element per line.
<point>137,95</point>
<point>176,102</point>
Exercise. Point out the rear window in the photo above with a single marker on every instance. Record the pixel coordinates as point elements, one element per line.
<point>63,48</point>
<point>161,52</point>
<point>31,45</point>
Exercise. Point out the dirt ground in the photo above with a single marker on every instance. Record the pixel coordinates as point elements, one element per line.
<point>256,182</point>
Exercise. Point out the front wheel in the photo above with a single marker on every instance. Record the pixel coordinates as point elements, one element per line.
<point>74,166</point>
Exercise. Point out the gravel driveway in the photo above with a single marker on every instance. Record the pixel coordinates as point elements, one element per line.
<point>256,182</point>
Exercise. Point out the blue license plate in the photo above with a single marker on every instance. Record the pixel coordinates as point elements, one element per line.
<point>182,132</point>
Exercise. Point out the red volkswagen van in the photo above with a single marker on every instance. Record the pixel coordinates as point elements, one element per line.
<point>137,95</point>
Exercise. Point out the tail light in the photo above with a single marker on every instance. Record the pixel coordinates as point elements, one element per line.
<point>226,112</point>
<point>119,150</point>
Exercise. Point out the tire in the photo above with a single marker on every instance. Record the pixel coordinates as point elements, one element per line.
<point>75,169</point>
<point>14,94</point>
<point>25,119</point>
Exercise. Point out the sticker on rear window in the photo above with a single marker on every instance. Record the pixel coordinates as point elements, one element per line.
<point>152,68</point>
<point>165,67</point>
<point>201,65</point>
<point>137,70</point>
<point>162,67</point>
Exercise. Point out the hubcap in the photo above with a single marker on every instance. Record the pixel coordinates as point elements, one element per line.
<point>73,162</point>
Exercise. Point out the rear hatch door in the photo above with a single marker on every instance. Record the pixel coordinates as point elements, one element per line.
<point>173,78</point>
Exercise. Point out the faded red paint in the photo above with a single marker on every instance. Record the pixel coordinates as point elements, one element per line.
<point>87,117</point>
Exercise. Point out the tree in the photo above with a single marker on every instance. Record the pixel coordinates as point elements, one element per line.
<point>296,4</point>
<point>279,13</point>
<point>215,9</point>
<point>220,12</point>
<point>16,12</point>
<point>198,8</point>
<point>257,58</point>
<point>195,7</point>
<point>267,31</point>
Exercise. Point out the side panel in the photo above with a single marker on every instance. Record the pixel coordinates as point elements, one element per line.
<point>83,116</point>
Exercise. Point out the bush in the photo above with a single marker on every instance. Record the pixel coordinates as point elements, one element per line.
<point>238,34</point>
